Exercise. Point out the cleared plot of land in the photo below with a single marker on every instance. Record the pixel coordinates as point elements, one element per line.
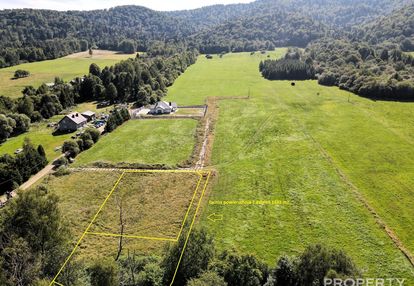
<point>39,133</point>
<point>274,147</point>
<point>151,205</point>
<point>67,68</point>
<point>151,141</point>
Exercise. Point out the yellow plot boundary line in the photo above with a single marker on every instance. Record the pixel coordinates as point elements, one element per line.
<point>191,228</point>
<point>158,238</point>
<point>131,236</point>
<point>87,229</point>
<point>86,232</point>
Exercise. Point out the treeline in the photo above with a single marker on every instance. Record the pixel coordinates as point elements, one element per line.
<point>33,35</point>
<point>292,67</point>
<point>37,247</point>
<point>377,72</point>
<point>140,80</point>
<point>38,50</point>
<point>16,170</point>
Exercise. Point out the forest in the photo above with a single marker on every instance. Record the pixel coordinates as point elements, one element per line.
<point>33,35</point>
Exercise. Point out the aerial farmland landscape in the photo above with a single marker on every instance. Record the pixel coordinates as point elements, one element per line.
<point>261,143</point>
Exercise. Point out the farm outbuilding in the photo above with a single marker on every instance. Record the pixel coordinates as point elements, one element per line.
<point>72,122</point>
<point>89,115</point>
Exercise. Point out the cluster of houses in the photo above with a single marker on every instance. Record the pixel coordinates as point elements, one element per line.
<point>76,120</point>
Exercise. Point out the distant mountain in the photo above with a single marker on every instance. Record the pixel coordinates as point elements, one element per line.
<point>33,35</point>
<point>338,13</point>
<point>264,32</point>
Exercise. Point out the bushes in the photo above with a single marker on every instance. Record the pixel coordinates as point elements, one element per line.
<point>71,147</point>
<point>117,118</point>
<point>13,124</point>
<point>21,74</point>
<point>89,137</point>
<point>16,170</point>
<point>311,267</point>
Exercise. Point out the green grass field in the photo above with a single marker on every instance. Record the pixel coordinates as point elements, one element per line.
<point>152,141</point>
<point>39,133</point>
<point>276,146</point>
<point>67,68</point>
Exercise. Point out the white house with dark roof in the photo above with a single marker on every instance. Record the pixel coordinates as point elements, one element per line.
<point>163,107</point>
<point>72,122</point>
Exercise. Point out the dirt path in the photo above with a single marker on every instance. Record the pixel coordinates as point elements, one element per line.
<point>200,163</point>
<point>46,170</point>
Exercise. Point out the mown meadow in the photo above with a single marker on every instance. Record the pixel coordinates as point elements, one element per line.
<point>305,144</point>
<point>151,141</point>
<point>66,68</point>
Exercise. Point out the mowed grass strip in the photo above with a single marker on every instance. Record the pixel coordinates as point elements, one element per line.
<point>67,68</point>
<point>269,148</point>
<point>151,204</point>
<point>151,141</point>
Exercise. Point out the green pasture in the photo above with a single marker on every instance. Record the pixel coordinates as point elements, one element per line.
<point>290,143</point>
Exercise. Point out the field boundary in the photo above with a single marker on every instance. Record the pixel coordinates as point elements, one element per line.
<point>202,174</point>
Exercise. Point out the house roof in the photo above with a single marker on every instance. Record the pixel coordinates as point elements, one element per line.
<point>165,105</point>
<point>88,113</point>
<point>75,117</point>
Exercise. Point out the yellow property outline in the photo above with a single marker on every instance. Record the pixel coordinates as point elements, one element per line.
<point>86,232</point>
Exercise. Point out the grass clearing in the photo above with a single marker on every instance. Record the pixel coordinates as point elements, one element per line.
<point>152,204</point>
<point>269,148</point>
<point>151,141</point>
<point>67,68</point>
<point>155,203</point>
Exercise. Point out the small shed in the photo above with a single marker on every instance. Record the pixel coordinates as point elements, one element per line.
<point>89,115</point>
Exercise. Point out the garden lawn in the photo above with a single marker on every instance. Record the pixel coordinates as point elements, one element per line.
<point>151,141</point>
<point>290,143</point>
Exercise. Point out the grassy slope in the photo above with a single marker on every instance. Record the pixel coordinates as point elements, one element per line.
<point>153,141</point>
<point>39,133</point>
<point>264,150</point>
<point>67,68</point>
